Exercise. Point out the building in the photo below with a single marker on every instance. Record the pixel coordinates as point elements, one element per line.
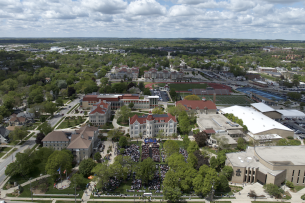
<point>198,106</point>
<point>266,69</point>
<point>80,142</point>
<point>21,119</point>
<point>259,83</point>
<point>100,113</point>
<point>261,127</point>
<point>155,74</point>
<point>152,125</point>
<point>4,135</point>
<point>277,114</point>
<point>266,110</point>
<point>123,72</point>
<point>213,140</point>
<point>218,124</point>
<point>118,100</point>
<point>268,164</point>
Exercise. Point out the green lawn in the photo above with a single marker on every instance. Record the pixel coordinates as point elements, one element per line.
<point>225,99</point>
<point>266,202</point>
<point>64,124</point>
<point>51,190</point>
<point>39,201</point>
<point>184,86</point>
<point>2,154</point>
<point>137,201</point>
<point>268,77</point>
<point>11,152</point>
<point>29,136</point>
<point>5,149</point>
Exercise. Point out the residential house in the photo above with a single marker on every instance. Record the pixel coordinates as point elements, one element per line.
<point>154,74</point>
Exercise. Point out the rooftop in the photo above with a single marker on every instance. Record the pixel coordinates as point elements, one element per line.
<point>262,107</point>
<point>291,113</point>
<point>254,120</point>
<point>216,122</point>
<point>197,104</point>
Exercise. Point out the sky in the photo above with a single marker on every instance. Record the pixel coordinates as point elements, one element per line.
<point>246,19</point>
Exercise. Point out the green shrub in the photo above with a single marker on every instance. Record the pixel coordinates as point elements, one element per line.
<point>122,151</point>
<point>290,137</point>
<point>289,184</point>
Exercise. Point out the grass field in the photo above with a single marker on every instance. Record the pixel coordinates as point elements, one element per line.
<point>5,149</point>
<point>184,86</point>
<point>226,99</point>
<point>64,124</point>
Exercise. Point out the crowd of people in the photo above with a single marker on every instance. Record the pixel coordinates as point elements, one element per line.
<point>163,155</point>
<point>155,183</point>
<point>133,151</point>
<point>184,153</point>
<point>163,170</point>
<point>145,152</point>
<point>155,153</point>
<point>136,184</point>
<point>112,184</point>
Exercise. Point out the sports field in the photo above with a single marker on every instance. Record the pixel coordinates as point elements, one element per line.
<point>184,86</point>
<point>226,99</point>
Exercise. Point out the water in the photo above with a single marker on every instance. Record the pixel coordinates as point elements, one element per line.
<point>261,93</point>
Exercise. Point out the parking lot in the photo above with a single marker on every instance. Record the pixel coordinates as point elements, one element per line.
<point>297,125</point>
<point>162,95</point>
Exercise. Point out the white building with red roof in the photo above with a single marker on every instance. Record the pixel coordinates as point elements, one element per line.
<point>100,113</point>
<point>149,126</point>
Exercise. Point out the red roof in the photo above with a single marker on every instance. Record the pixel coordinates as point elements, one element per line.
<point>193,104</point>
<point>101,108</point>
<point>210,131</point>
<point>158,118</point>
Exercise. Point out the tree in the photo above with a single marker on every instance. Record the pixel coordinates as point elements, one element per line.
<point>114,133</point>
<point>71,91</point>
<point>157,110</point>
<point>131,105</point>
<point>191,97</point>
<point>4,111</point>
<point>141,86</point>
<point>192,147</point>
<point>39,138</point>
<point>78,180</point>
<point>59,102</point>
<point>45,128</point>
<point>145,170</point>
<point>227,171</point>
<point>186,142</point>
<point>222,141</point>
<point>213,162</point>
<point>123,141</point>
<point>172,193</point>
<point>59,160</point>
<point>50,107</point>
<point>192,159</point>
<point>273,190</point>
<point>173,94</point>
<point>97,156</point>
<point>18,134</point>
<point>86,166</point>
<point>23,164</point>
<point>146,91</point>
<point>240,143</point>
<point>102,174</point>
<point>223,183</point>
<point>201,138</point>
<point>170,147</point>
<point>123,113</point>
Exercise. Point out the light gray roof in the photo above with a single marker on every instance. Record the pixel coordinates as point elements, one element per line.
<point>262,107</point>
<point>291,113</point>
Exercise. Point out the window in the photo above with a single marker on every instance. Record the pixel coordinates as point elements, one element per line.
<point>299,172</point>
<point>303,180</point>
<point>298,180</point>
<point>292,173</point>
<point>292,179</point>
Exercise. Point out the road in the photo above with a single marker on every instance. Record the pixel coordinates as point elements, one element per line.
<point>31,142</point>
<point>28,144</point>
<point>64,111</point>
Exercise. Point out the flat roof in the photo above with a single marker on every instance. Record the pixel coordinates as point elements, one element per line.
<point>216,122</point>
<point>291,113</point>
<point>262,107</point>
<point>247,159</point>
<point>281,155</point>
<point>254,120</point>
<point>230,139</point>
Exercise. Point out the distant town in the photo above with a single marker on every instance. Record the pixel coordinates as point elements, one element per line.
<point>177,120</point>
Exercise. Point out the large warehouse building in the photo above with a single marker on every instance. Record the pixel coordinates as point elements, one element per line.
<point>272,164</point>
<point>260,126</point>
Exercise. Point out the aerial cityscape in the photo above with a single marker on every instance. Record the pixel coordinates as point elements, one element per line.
<point>152,101</point>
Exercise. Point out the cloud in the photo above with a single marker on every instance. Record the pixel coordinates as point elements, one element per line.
<point>183,10</point>
<point>145,7</point>
<point>106,6</point>
<point>191,1</point>
<point>283,1</point>
<point>241,5</point>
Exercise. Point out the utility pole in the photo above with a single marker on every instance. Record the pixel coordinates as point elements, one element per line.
<point>31,188</point>
<point>75,192</point>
